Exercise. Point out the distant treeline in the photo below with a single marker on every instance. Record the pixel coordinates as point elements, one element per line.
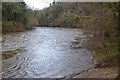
<point>16,16</point>
<point>77,14</point>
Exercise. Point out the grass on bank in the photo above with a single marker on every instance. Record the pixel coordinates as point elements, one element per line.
<point>105,56</point>
<point>12,27</point>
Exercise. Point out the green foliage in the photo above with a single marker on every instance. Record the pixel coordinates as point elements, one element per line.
<point>16,17</point>
<point>48,15</point>
<point>13,11</point>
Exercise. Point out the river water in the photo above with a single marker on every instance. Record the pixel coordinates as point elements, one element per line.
<point>46,53</point>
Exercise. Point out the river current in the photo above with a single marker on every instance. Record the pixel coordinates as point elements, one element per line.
<point>46,53</point>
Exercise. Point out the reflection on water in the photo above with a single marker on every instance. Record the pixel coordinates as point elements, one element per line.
<point>45,53</point>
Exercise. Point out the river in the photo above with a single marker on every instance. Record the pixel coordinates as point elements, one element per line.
<point>46,53</point>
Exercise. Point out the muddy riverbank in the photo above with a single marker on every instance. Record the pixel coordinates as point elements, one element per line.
<point>108,72</point>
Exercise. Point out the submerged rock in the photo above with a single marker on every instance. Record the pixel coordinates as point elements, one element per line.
<point>9,54</point>
<point>75,42</point>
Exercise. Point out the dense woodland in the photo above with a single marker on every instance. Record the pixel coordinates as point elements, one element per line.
<point>16,16</point>
<point>100,19</point>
